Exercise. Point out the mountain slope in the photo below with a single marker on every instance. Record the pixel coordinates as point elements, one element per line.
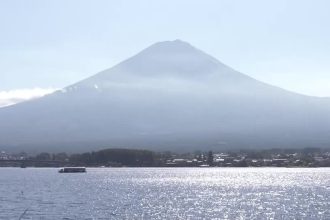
<point>169,96</point>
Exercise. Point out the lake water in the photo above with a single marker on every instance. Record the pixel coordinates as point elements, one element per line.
<point>166,193</point>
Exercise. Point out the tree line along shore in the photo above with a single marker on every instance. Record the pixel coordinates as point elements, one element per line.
<point>307,157</point>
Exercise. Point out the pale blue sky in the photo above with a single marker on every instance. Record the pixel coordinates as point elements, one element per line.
<point>55,43</point>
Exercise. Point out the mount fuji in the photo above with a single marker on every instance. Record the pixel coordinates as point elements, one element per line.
<point>170,96</point>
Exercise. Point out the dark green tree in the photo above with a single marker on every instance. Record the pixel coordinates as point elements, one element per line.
<point>210,158</point>
<point>43,156</point>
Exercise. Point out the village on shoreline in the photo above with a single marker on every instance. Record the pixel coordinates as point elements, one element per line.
<point>308,157</point>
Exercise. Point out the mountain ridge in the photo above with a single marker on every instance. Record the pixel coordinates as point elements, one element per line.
<point>180,99</point>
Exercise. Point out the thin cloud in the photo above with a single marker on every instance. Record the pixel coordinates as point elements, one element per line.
<point>12,97</point>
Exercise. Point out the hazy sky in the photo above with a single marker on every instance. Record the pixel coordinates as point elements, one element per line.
<point>51,44</point>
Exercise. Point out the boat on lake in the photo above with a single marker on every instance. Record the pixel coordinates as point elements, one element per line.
<point>72,170</point>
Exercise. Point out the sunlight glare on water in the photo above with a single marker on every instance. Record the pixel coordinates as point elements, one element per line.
<point>166,193</point>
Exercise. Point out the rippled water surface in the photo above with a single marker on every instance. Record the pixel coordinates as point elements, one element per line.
<point>166,193</point>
